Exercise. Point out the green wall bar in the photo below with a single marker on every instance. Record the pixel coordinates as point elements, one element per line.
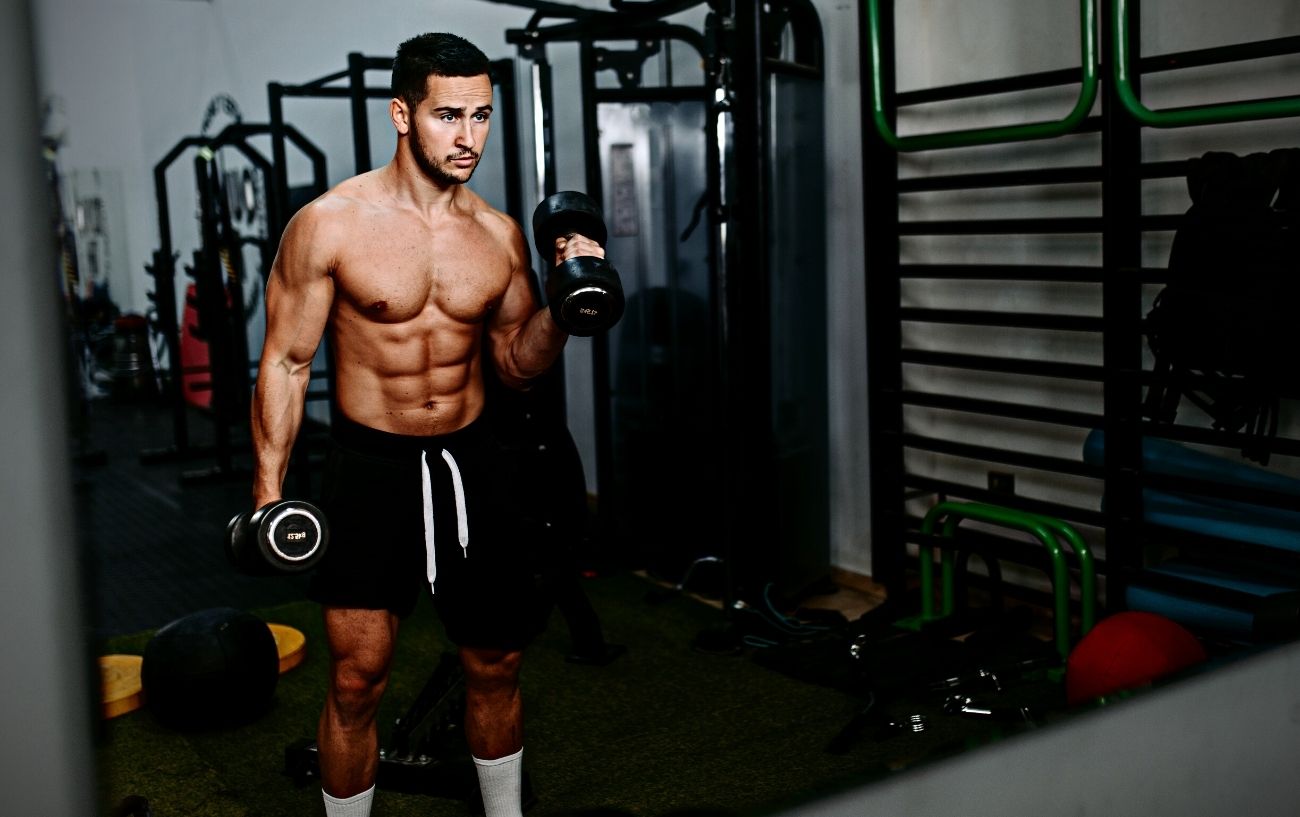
<point>993,135</point>
<point>1182,117</point>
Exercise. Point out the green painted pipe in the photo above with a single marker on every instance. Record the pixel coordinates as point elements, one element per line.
<point>987,136</point>
<point>1045,529</point>
<point>1087,570</point>
<point>1200,115</point>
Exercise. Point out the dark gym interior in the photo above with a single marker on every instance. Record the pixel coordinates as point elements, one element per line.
<point>941,455</point>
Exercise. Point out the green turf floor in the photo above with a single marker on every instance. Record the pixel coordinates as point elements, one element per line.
<point>663,729</point>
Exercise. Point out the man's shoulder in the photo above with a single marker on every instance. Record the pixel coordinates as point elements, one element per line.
<point>350,195</point>
<point>340,205</point>
<point>497,222</point>
<point>499,225</point>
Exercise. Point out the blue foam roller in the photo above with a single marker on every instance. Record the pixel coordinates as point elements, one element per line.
<point>1170,458</point>
<point>1198,616</point>
<point>1224,518</point>
<point>1242,622</point>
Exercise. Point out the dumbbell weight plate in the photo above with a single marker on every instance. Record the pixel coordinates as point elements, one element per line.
<point>237,541</point>
<point>291,535</point>
<point>588,310</point>
<point>567,212</point>
<point>585,295</point>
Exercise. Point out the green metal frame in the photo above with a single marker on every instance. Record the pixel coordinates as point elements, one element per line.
<point>1046,529</point>
<point>987,136</point>
<point>1181,117</point>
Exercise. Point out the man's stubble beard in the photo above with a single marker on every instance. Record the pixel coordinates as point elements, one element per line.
<point>435,173</point>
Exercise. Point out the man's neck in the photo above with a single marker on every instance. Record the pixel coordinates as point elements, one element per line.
<point>409,182</point>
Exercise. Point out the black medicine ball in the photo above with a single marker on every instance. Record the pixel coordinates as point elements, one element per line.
<point>210,668</point>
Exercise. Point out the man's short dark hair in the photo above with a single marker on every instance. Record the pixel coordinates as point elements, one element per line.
<point>441,55</point>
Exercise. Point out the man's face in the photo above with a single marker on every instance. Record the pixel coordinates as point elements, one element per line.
<point>450,126</point>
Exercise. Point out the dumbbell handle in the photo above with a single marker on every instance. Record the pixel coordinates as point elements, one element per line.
<point>964,705</point>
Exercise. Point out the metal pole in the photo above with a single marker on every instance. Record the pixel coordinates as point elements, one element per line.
<point>884,334</point>
<point>1121,159</point>
<point>360,117</point>
<point>746,295</point>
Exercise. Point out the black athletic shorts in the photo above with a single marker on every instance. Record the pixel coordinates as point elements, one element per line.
<point>380,492</point>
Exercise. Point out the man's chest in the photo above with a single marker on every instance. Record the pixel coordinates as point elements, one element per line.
<point>395,279</point>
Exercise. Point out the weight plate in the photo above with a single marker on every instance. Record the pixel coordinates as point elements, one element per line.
<point>292,536</point>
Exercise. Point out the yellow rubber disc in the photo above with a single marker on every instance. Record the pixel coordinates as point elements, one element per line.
<point>291,644</point>
<point>120,687</point>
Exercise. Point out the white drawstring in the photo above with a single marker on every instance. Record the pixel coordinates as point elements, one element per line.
<point>430,561</point>
<point>462,518</point>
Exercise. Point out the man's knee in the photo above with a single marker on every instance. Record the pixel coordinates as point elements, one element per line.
<point>491,670</point>
<point>356,689</point>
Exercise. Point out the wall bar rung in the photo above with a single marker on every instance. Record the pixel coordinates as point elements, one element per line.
<point>1002,178</point>
<point>1005,365</point>
<point>947,488</point>
<point>998,408</point>
<point>986,453</point>
<point>1001,226</point>
<point>1004,272</point>
<point>1016,320</point>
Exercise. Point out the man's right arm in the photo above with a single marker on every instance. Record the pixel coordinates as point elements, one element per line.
<point>299,296</point>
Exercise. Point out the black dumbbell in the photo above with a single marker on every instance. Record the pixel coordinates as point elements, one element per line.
<point>288,536</point>
<point>584,293</point>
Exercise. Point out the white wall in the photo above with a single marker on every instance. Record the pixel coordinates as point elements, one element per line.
<point>135,76</point>
<point>846,298</point>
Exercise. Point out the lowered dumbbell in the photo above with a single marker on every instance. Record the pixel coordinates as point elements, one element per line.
<point>965,705</point>
<point>288,536</point>
<point>584,293</point>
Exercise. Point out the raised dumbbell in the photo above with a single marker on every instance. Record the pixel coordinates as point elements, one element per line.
<point>288,536</point>
<point>584,293</point>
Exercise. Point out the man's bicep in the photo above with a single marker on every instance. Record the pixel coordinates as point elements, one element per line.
<point>520,300</point>
<point>517,305</point>
<point>296,315</point>
<point>508,329</point>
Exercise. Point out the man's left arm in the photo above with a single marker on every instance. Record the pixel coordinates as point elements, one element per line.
<point>525,339</point>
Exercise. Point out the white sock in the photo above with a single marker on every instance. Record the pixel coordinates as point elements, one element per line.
<point>358,805</point>
<point>501,783</point>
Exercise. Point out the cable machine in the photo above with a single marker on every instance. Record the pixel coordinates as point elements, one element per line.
<point>710,395</point>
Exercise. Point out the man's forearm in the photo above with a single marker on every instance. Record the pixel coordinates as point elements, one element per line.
<point>278,402</point>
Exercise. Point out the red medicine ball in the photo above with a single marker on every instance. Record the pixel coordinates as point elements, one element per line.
<point>1128,650</point>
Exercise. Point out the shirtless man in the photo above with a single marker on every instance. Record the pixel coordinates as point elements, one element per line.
<point>405,267</point>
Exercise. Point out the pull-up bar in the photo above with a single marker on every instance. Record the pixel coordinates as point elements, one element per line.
<point>987,136</point>
<point>1121,73</point>
<point>1181,117</point>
